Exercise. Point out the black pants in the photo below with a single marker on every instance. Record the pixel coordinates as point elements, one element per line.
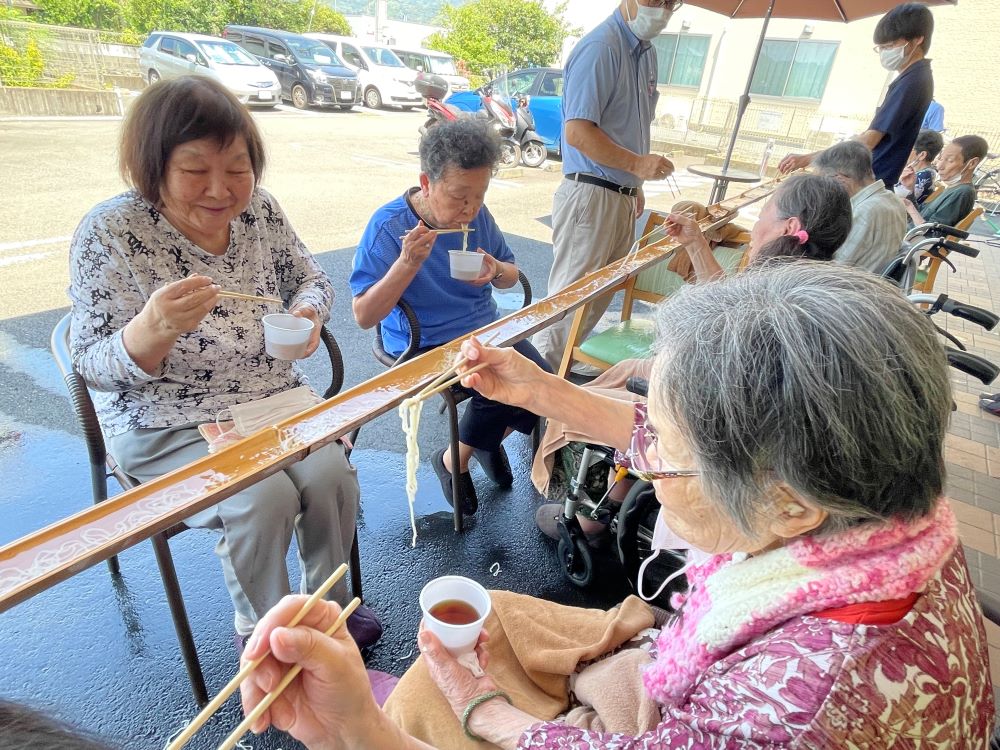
<point>485,421</point>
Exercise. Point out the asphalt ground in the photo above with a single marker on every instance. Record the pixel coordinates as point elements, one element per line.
<point>100,652</point>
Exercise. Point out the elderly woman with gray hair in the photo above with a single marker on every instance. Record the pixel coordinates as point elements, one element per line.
<point>402,256</point>
<point>794,435</point>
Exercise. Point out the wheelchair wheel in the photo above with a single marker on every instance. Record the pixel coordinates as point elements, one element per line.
<point>577,563</point>
<point>634,536</point>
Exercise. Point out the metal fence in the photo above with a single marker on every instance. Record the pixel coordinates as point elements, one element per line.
<point>84,57</point>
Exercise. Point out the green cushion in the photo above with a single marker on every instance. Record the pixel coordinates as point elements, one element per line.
<point>627,340</point>
<point>921,277</point>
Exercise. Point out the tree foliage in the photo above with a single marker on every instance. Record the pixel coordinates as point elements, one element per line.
<point>139,17</point>
<point>491,34</point>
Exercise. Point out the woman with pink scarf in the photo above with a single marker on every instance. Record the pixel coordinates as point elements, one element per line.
<point>794,436</point>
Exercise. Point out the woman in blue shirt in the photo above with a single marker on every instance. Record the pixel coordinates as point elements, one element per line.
<point>401,256</point>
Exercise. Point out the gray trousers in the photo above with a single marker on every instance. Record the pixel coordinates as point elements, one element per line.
<point>591,227</point>
<point>316,498</point>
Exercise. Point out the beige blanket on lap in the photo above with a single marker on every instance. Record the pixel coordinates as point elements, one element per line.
<point>534,646</point>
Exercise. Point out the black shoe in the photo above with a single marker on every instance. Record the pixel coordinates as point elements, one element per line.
<point>990,405</point>
<point>467,490</point>
<point>496,465</point>
<point>547,519</point>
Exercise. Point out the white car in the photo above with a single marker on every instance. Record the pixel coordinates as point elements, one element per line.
<point>435,62</point>
<point>170,54</point>
<point>383,78</point>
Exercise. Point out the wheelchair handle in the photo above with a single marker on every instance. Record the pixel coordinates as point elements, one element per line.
<point>934,228</point>
<point>961,249</point>
<point>985,318</point>
<point>971,364</point>
<point>636,385</point>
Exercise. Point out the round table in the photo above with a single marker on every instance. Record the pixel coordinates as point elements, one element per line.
<point>722,178</point>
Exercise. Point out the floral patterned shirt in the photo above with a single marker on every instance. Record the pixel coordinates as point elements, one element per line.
<point>819,683</point>
<point>123,251</point>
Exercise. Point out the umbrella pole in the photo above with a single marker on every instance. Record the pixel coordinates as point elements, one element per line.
<point>745,99</point>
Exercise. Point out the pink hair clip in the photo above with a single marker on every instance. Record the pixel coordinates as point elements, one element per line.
<point>802,236</point>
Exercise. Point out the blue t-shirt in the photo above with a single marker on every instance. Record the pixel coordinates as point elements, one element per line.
<point>610,80</point>
<point>899,118</point>
<point>934,119</point>
<point>446,308</point>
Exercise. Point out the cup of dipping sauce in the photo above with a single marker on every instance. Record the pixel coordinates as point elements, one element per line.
<point>286,336</point>
<point>455,609</point>
<point>466,266</point>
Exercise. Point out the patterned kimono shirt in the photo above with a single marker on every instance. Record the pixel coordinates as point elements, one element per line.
<point>815,682</point>
<point>124,250</point>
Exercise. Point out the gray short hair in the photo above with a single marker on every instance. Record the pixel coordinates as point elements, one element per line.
<point>466,143</point>
<point>850,158</point>
<point>819,376</point>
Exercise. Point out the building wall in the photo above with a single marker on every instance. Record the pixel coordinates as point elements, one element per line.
<point>963,54</point>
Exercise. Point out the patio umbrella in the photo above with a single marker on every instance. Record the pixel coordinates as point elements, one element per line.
<point>813,10</point>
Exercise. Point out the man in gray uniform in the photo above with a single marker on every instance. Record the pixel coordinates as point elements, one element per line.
<point>609,101</point>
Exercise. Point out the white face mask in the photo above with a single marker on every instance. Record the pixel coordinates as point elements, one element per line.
<point>665,538</point>
<point>893,59</point>
<point>255,415</point>
<point>649,22</point>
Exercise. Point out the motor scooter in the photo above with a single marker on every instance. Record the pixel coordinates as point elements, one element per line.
<point>533,151</point>
<point>495,110</point>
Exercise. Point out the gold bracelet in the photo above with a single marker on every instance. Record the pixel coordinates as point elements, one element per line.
<point>476,703</point>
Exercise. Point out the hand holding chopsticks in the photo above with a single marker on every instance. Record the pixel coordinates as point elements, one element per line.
<point>250,297</point>
<point>216,703</point>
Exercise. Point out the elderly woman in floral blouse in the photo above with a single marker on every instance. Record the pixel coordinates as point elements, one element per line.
<point>794,433</point>
<point>164,352</point>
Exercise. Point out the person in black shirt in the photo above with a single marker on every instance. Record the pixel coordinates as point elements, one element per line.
<point>902,40</point>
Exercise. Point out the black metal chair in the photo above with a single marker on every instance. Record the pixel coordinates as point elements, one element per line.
<point>103,466</point>
<point>452,396</point>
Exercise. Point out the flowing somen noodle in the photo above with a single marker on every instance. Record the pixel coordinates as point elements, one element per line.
<point>409,415</point>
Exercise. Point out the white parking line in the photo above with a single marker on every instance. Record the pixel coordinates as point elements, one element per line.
<point>16,259</point>
<point>8,246</point>
<point>382,161</point>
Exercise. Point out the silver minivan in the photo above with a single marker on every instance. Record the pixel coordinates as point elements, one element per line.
<point>383,77</point>
<point>170,54</point>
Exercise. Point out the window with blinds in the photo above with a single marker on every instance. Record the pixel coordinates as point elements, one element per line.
<point>680,59</point>
<point>796,68</point>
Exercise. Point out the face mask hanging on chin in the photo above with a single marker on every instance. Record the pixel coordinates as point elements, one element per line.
<point>648,22</point>
<point>665,539</point>
<point>252,416</point>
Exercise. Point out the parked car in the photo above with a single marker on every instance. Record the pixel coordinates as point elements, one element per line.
<point>169,54</point>
<point>382,76</point>
<point>309,72</point>
<point>434,62</point>
<point>542,86</point>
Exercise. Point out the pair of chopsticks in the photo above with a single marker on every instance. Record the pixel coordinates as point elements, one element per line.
<point>250,297</point>
<point>449,377</point>
<point>216,703</point>
<point>463,230</point>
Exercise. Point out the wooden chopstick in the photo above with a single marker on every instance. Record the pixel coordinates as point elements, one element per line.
<point>216,703</point>
<point>450,382</point>
<point>267,700</point>
<point>422,394</point>
<point>446,231</point>
<point>251,297</point>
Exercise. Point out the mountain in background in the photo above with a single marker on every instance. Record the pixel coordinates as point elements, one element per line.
<point>415,11</point>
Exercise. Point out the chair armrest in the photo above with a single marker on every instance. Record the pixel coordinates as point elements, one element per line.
<point>378,348</point>
<point>525,286</point>
<point>336,362</point>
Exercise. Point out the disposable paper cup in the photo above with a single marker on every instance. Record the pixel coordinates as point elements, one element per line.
<point>466,266</point>
<point>286,336</point>
<point>901,190</point>
<point>458,639</point>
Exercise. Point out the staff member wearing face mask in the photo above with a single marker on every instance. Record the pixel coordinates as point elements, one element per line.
<point>609,101</point>
<point>902,39</point>
<point>956,164</point>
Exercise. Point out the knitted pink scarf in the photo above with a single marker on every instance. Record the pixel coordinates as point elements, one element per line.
<point>732,600</point>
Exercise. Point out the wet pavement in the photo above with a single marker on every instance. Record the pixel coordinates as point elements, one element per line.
<point>100,652</point>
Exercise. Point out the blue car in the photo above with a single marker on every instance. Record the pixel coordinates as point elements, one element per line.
<point>543,85</point>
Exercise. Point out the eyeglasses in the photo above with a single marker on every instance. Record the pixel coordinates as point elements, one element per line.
<point>644,457</point>
<point>879,48</point>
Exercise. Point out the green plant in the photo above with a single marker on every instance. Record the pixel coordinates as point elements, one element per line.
<point>21,67</point>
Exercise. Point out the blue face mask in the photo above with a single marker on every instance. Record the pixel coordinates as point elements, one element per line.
<point>664,538</point>
<point>648,22</point>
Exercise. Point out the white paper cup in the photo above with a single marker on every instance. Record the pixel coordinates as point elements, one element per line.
<point>458,639</point>
<point>286,336</point>
<point>466,266</point>
<point>901,190</point>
